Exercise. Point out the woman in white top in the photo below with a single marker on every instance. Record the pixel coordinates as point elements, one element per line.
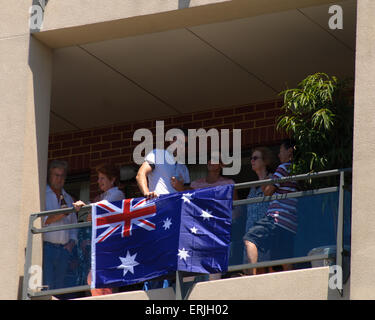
<point>107,183</point>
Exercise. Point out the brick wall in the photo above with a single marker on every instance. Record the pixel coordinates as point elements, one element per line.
<point>86,149</point>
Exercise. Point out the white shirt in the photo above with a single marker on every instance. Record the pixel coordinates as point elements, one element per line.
<point>52,203</point>
<point>165,167</point>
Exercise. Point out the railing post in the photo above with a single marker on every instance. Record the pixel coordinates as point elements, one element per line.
<point>340,229</point>
<point>28,256</point>
<point>179,286</point>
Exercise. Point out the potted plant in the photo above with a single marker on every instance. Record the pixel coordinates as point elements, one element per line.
<point>318,115</point>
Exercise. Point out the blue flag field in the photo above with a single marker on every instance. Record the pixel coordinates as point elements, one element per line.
<point>135,240</point>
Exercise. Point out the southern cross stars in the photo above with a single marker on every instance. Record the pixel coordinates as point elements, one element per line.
<point>194,230</point>
<point>186,197</point>
<point>183,254</point>
<point>206,215</point>
<point>128,263</point>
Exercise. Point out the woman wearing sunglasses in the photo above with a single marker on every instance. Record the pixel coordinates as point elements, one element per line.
<point>262,163</point>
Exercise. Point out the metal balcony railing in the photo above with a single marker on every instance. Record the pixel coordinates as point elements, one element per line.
<point>182,289</point>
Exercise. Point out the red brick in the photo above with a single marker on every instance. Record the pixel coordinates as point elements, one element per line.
<point>95,163</point>
<point>193,125</point>
<point>203,115</point>
<point>212,122</point>
<point>54,146</point>
<point>71,143</point>
<point>75,162</point>
<point>61,153</point>
<point>85,149</point>
<point>223,113</point>
<point>144,124</point>
<point>91,140</point>
<point>263,135</point>
<point>255,136</point>
<point>265,122</point>
<point>119,144</point>
<point>246,137</point>
<point>233,119</point>
<point>274,113</point>
<point>121,160</point>
<point>244,125</point>
<point>62,137</point>
<point>127,135</point>
<point>254,116</point>
<point>82,134</point>
<point>225,126</point>
<point>125,127</point>
<point>100,146</point>
<point>111,153</point>
<point>266,106</point>
<point>245,109</point>
<point>127,150</point>
<point>272,134</point>
<point>184,118</point>
<point>102,131</point>
<point>111,137</point>
<point>95,155</point>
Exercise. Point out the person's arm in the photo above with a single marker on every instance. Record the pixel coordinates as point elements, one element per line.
<point>144,170</point>
<point>268,190</point>
<point>55,218</point>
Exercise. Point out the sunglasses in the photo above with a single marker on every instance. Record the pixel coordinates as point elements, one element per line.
<point>254,158</point>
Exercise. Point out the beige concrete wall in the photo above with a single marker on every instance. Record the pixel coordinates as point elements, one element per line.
<point>362,284</point>
<point>71,22</point>
<point>25,77</point>
<point>308,284</point>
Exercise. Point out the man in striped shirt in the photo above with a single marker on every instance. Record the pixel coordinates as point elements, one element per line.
<point>275,232</point>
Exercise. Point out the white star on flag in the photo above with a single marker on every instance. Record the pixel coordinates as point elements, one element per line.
<point>194,230</point>
<point>167,223</point>
<point>128,263</point>
<point>183,254</point>
<point>206,215</point>
<point>186,197</point>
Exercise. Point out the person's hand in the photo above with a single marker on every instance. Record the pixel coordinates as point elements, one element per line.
<point>78,205</point>
<point>178,184</point>
<point>151,195</point>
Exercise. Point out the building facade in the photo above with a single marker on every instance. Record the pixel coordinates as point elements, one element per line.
<point>78,78</point>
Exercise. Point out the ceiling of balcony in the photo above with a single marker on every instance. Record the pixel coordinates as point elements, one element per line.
<point>197,68</point>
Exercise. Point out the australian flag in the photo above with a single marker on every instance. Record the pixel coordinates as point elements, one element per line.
<point>135,240</point>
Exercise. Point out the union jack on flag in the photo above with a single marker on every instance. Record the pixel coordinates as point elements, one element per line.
<point>123,214</point>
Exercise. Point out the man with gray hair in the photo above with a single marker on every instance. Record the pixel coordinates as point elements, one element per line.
<point>57,245</point>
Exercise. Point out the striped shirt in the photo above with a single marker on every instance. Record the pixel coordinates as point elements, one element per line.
<point>284,211</point>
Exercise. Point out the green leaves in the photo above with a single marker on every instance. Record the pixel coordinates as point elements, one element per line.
<point>318,114</point>
<point>323,119</point>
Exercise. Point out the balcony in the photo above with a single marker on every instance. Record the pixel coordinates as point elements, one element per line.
<point>323,240</point>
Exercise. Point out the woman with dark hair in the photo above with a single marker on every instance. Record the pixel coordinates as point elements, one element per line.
<point>108,178</point>
<point>262,163</point>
